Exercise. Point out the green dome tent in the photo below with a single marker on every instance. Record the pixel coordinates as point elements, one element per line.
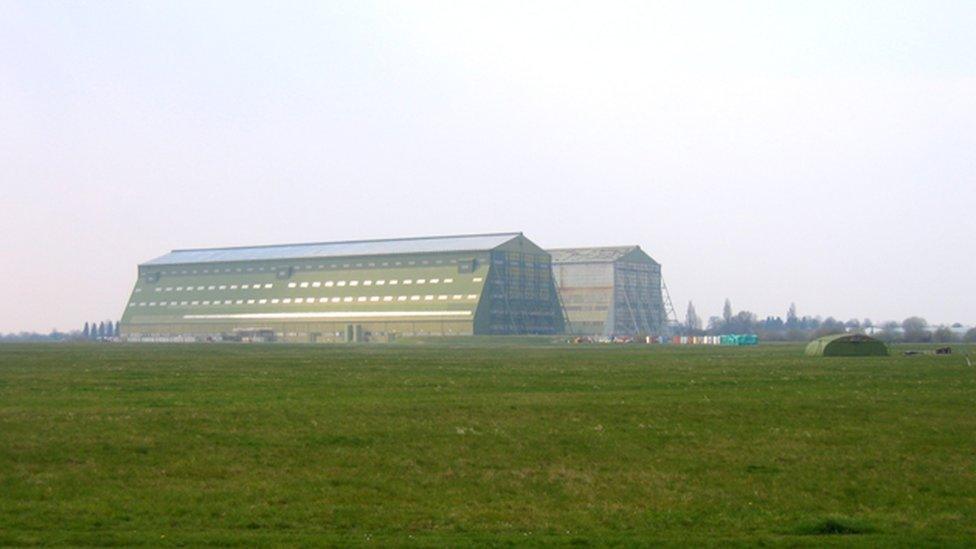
<point>847,345</point>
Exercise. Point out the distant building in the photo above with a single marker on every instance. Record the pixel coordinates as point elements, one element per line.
<point>333,291</point>
<point>609,291</point>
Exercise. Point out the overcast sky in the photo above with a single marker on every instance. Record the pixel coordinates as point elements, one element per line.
<point>769,152</point>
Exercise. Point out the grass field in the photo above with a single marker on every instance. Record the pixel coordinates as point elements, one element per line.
<point>420,444</point>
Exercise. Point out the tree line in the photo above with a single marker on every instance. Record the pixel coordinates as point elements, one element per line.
<point>913,329</point>
<point>92,331</point>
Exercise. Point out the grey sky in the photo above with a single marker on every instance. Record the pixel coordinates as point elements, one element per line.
<point>817,152</point>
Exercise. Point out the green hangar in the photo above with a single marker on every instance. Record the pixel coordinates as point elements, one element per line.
<point>609,291</point>
<point>347,291</point>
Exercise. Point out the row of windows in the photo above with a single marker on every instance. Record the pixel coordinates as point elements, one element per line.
<point>310,267</point>
<point>317,284</point>
<point>221,287</point>
<point>309,300</point>
<point>405,282</point>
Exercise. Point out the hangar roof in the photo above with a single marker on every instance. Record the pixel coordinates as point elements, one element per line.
<point>605,254</point>
<point>429,244</point>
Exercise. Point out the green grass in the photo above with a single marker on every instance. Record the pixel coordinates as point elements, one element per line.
<point>466,444</point>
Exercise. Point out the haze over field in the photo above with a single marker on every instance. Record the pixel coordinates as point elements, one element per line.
<point>767,152</point>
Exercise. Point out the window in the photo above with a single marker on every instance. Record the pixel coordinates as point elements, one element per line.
<point>341,283</point>
<point>243,286</point>
<point>407,282</point>
<point>380,282</point>
<point>292,285</point>
<point>262,301</point>
<point>222,287</point>
<point>435,280</point>
<point>448,280</point>
<point>157,289</point>
<point>316,284</point>
<point>286,300</point>
<point>323,300</point>
<point>472,296</point>
<point>304,284</point>
<point>347,299</point>
<point>335,299</point>
<point>477,279</point>
<point>428,298</point>
<point>354,283</point>
<point>374,298</point>
<point>401,298</point>
<point>456,296</point>
<point>233,286</point>
<point>367,283</point>
<point>168,289</point>
<point>421,281</point>
<point>361,299</point>
<point>204,303</point>
<point>275,301</point>
<point>250,302</point>
<point>441,297</point>
<point>328,283</point>
<point>211,287</point>
<point>388,298</point>
<point>200,288</point>
<point>268,286</point>
<point>415,298</point>
<point>394,282</point>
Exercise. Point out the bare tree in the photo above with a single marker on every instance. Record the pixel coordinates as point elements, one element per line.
<point>889,331</point>
<point>692,320</point>
<point>791,318</point>
<point>944,334</point>
<point>915,329</point>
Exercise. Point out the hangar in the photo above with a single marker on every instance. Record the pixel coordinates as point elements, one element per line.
<point>609,291</point>
<point>354,290</point>
<point>846,345</point>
